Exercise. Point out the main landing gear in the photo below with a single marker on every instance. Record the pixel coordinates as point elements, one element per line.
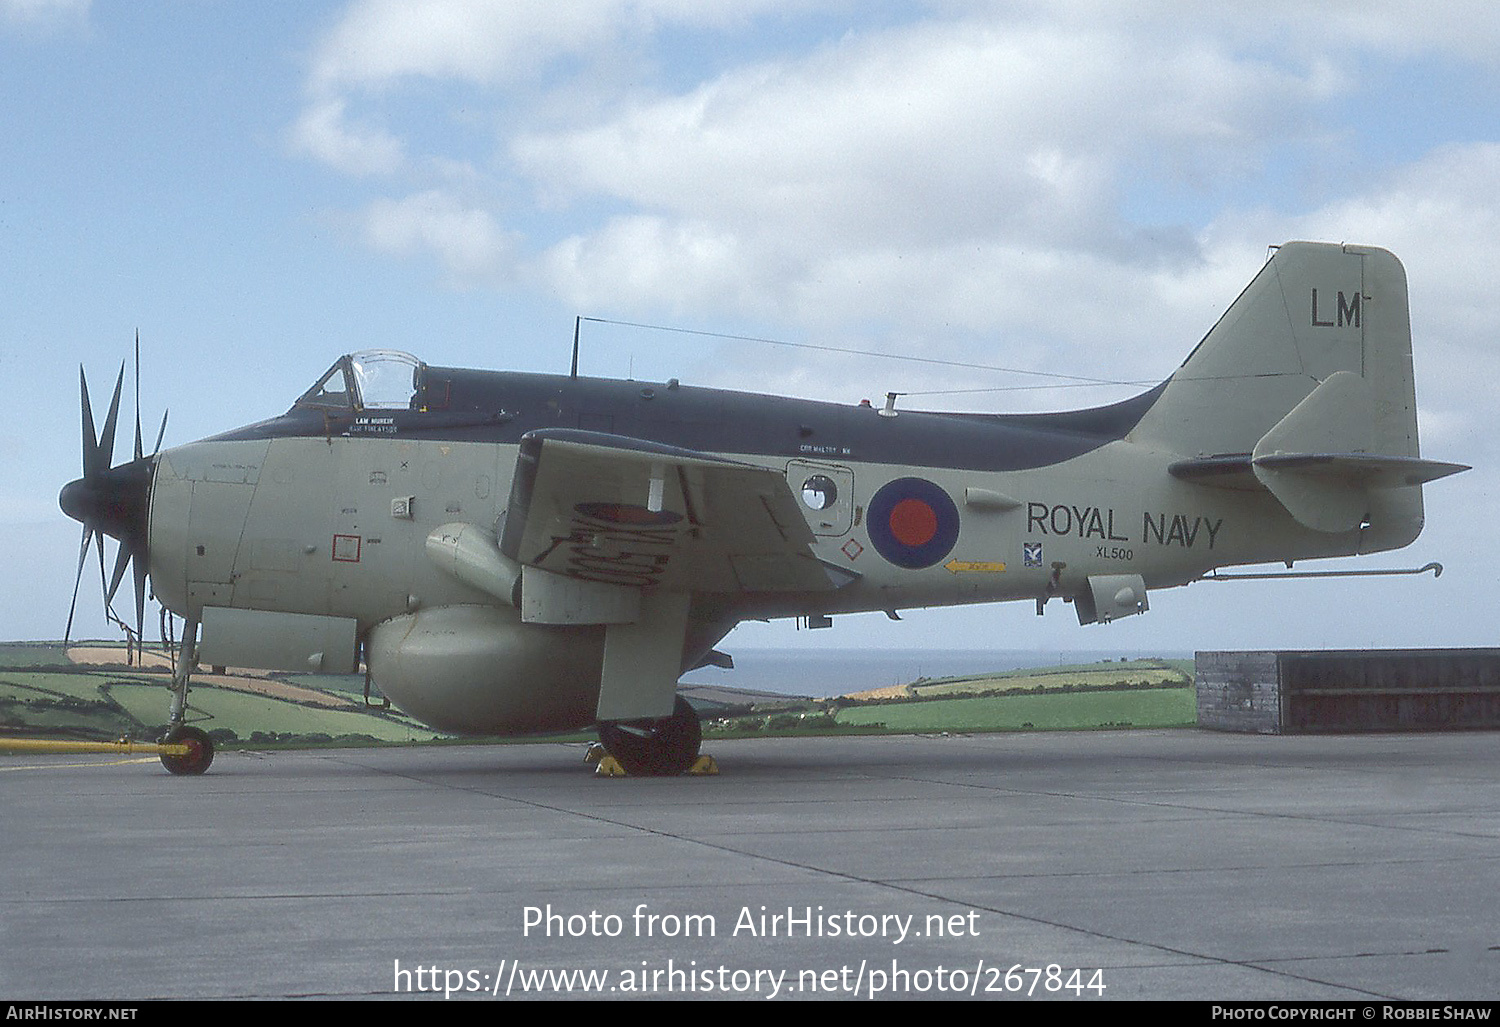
<point>655,748</point>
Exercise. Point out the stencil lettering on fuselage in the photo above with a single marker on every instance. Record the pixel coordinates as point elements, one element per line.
<point>1086,522</point>
<point>1064,519</point>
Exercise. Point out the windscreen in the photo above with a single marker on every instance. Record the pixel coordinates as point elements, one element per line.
<point>386,379</point>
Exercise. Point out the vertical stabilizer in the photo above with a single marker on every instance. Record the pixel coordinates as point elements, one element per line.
<point>1313,360</point>
<point>1313,310</point>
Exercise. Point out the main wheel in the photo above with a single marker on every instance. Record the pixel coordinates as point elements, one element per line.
<point>655,748</point>
<point>200,750</point>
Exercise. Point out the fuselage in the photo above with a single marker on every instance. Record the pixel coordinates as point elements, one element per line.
<point>324,510</point>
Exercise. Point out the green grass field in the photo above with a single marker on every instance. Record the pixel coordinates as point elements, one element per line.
<point>90,701</point>
<point>1175,673</point>
<point>245,714</point>
<point>74,705</point>
<point>97,702</point>
<point>31,654</point>
<point>1155,707</point>
<point>86,685</point>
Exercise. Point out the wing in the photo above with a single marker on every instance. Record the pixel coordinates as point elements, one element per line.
<point>621,511</point>
<point>621,532</point>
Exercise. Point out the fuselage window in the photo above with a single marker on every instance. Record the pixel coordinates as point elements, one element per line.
<point>819,492</point>
<point>332,390</point>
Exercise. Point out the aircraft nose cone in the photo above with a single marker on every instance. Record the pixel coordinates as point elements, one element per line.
<point>113,501</point>
<point>76,499</point>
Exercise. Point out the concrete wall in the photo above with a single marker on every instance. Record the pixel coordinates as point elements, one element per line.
<point>1349,690</point>
<point>1238,691</point>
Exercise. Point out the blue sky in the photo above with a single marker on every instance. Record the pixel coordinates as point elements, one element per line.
<point>1077,187</point>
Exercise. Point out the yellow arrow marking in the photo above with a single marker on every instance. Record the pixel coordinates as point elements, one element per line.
<point>975,567</point>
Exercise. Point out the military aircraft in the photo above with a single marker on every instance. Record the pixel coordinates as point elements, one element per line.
<point>511,553</point>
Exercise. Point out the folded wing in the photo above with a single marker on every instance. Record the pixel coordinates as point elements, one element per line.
<point>622,511</point>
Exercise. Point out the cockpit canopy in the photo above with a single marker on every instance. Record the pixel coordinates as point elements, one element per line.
<point>372,379</point>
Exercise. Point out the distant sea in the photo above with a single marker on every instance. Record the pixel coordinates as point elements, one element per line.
<point>822,673</point>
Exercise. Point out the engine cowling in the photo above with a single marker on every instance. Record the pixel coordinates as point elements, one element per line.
<point>478,670</point>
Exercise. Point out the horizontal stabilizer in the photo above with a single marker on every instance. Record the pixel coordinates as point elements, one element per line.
<point>1325,491</point>
<point>1364,469</point>
<point>1235,470</point>
<point>1316,459</point>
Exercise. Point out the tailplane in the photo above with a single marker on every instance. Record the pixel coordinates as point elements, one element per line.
<point>1304,388</point>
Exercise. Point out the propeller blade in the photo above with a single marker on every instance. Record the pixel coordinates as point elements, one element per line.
<point>138,453</point>
<point>111,502</point>
<point>107,437</point>
<point>139,564</point>
<point>83,552</point>
<point>161,433</point>
<point>99,538</point>
<point>90,439</point>
<point>122,560</point>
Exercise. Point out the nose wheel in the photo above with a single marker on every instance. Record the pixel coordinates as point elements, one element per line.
<point>200,750</point>
<point>655,748</point>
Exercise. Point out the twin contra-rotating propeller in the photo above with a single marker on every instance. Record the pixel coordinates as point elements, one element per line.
<point>113,501</point>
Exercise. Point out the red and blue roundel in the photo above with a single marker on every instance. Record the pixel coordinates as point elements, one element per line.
<point>912,523</point>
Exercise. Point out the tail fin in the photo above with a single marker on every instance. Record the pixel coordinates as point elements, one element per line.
<point>1304,388</point>
<point>1314,309</point>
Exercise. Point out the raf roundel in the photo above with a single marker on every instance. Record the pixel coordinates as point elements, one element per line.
<point>912,523</point>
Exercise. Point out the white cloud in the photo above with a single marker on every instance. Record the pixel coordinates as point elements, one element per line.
<point>916,131</point>
<point>1465,29</point>
<point>1050,177</point>
<point>44,12</point>
<point>877,172</point>
<point>669,265</point>
<point>323,132</point>
<point>1439,215</point>
<point>377,42</point>
<point>465,239</point>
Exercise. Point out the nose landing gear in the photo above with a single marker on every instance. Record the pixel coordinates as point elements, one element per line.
<point>200,750</point>
<point>200,747</point>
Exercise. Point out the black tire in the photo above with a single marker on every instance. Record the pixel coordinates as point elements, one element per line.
<point>200,750</point>
<point>655,748</point>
